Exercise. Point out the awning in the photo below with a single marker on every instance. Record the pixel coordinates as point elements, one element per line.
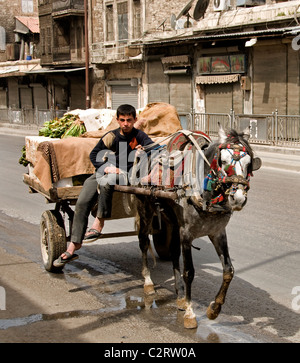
<point>48,70</point>
<point>200,35</point>
<point>17,72</point>
<point>11,72</point>
<point>26,24</point>
<point>226,78</point>
<point>176,60</point>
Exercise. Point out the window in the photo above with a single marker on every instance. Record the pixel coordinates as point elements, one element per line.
<point>2,38</point>
<point>137,19</point>
<point>27,6</point>
<point>117,18</point>
<point>122,10</point>
<point>48,40</point>
<point>109,23</point>
<point>43,42</point>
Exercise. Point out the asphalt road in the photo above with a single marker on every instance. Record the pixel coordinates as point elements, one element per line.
<point>99,298</point>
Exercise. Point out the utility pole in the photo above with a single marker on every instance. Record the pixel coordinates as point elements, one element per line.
<point>87,85</point>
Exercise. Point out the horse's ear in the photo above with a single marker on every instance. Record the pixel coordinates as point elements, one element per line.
<point>222,134</point>
<point>247,133</point>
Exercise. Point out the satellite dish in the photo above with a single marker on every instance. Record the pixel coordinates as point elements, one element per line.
<point>200,9</point>
<point>180,24</point>
<point>185,10</point>
<point>173,21</point>
<point>188,24</point>
<point>162,24</point>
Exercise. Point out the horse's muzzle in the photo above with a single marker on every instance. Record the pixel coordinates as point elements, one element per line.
<point>237,196</point>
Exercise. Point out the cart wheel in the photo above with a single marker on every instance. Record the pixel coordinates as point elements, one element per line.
<point>162,237</point>
<point>53,239</point>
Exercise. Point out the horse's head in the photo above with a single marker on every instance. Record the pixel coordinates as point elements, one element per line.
<point>237,163</point>
<point>230,170</point>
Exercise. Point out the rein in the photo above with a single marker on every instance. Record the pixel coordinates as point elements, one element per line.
<point>219,182</point>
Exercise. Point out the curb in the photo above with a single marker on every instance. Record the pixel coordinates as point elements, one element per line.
<point>19,130</point>
<point>278,157</point>
<point>276,149</point>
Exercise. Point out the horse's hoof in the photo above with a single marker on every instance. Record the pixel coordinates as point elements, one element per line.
<point>149,289</point>
<point>181,304</point>
<point>189,319</point>
<point>213,311</point>
<point>190,323</point>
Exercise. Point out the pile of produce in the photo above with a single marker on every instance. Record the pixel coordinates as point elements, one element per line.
<point>67,126</point>
<point>22,159</point>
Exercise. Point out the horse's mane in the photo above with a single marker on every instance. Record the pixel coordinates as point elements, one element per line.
<point>235,137</point>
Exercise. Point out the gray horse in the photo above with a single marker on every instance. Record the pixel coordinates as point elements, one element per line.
<point>227,167</point>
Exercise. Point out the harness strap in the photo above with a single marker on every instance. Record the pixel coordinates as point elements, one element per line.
<point>189,134</point>
<point>237,179</point>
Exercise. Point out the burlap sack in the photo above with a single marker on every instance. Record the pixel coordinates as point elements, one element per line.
<point>160,119</point>
<point>156,120</point>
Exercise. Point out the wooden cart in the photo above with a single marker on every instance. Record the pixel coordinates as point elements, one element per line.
<point>56,224</point>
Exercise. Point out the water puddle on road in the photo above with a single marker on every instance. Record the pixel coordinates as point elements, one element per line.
<point>156,309</point>
<point>128,302</point>
<point>119,291</point>
<point>15,322</point>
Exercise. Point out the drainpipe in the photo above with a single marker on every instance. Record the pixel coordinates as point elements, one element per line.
<point>87,86</point>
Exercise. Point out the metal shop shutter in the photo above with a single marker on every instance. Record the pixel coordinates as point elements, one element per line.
<point>13,92</point>
<point>122,94</point>
<point>181,93</point>
<point>218,98</point>
<point>77,94</point>
<point>40,97</point>
<point>269,73</point>
<point>3,99</point>
<point>158,88</point>
<point>26,97</point>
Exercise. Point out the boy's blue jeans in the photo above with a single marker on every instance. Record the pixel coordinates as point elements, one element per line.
<point>88,197</point>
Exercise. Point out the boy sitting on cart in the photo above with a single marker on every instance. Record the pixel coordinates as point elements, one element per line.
<point>121,142</point>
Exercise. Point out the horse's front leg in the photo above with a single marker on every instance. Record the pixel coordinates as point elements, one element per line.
<point>190,321</point>
<point>220,243</point>
<point>175,251</point>
<point>144,243</point>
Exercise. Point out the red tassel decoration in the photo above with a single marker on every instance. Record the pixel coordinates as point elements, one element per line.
<point>214,164</point>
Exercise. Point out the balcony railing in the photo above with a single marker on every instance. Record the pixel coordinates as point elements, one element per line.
<point>61,54</point>
<point>67,5</point>
<point>113,52</point>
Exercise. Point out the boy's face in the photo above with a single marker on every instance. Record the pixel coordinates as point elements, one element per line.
<point>126,123</point>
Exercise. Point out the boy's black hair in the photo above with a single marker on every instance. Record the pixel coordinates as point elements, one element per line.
<point>126,110</point>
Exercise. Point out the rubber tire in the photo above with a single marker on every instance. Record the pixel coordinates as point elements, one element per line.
<point>162,237</point>
<point>52,238</point>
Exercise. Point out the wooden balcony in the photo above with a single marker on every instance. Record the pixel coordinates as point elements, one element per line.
<point>61,54</point>
<point>65,8</point>
<point>67,55</point>
<point>112,52</point>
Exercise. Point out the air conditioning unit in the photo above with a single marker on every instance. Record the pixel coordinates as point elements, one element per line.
<point>221,5</point>
<point>249,3</point>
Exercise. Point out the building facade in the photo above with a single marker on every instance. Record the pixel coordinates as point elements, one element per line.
<point>19,37</point>
<point>212,57</point>
<point>207,56</point>
<point>10,37</point>
<point>62,51</point>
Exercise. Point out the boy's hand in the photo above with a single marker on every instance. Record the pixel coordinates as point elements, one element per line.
<point>111,170</point>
